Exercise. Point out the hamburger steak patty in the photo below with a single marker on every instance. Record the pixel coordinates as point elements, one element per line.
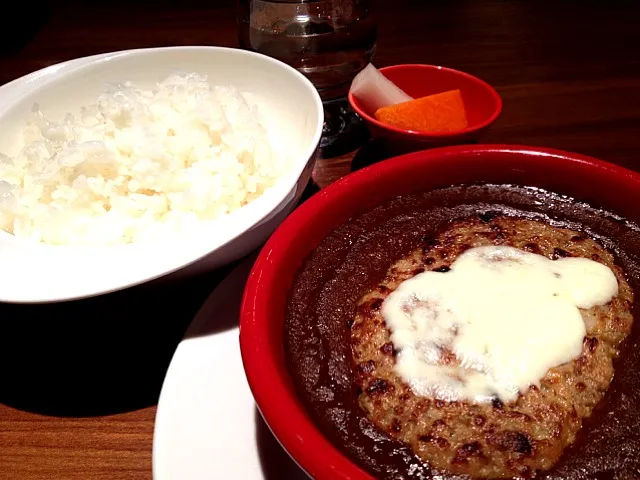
<point>490,440</point>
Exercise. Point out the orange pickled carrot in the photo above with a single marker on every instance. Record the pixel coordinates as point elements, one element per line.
<point>442,112</point>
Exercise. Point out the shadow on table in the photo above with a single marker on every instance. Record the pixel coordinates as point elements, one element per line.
<point>377,150</point>
<point>98,356</point>
<point>373,151</point>
<point>27,19</point>
<point>275,462</point>
<point>107,354</point>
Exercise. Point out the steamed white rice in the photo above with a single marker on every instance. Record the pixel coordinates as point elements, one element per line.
<point>137,164</point>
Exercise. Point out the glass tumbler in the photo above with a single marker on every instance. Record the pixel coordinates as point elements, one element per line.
<point>329,41</point>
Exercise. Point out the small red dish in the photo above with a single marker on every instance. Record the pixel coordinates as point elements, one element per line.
<point>482,103</point>
<point>268,288</point>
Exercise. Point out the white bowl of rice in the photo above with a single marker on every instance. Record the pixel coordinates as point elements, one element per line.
<point>126,167</point>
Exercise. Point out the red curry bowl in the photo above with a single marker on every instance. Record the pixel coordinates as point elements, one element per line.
<point>482,103</point>
<point>267,291</point>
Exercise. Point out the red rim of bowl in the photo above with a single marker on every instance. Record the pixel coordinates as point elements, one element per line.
<point>472,129</point>
<point>266,372</point>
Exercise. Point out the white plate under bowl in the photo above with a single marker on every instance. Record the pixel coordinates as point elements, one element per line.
<point>207,426</point>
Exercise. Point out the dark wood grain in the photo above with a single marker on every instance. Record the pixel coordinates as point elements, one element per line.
<point>569,75</point>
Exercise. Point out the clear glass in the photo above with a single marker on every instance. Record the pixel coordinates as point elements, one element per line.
<point>329,41</point>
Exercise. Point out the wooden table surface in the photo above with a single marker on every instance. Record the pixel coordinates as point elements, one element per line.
<point>79,382</point>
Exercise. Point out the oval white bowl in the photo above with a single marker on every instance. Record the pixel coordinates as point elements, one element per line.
<point>290,107</point>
